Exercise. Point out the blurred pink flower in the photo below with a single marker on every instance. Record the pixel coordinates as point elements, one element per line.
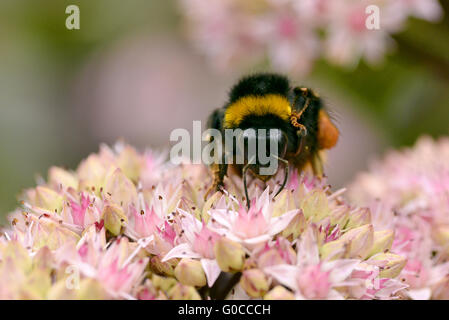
<point>408,192</point>
<point>292,34</point>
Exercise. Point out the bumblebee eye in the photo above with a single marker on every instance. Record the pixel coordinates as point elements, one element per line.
<point>279,138</point>
<point>247,145</point>
<point>261,145</point>
<point>249,137</point>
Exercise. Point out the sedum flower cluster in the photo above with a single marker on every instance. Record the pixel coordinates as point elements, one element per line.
<point>408,191</point>
<point>130,225</point>
<point>292,34</point>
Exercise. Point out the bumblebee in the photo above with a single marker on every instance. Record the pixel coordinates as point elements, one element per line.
<point>268,101</point>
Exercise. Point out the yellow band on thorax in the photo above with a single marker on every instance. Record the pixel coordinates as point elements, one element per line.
<point>258,106</point>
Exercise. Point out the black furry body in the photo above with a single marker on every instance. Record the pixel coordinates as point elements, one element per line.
<point>300,149</point>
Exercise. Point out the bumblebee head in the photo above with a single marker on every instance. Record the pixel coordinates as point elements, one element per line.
<point>261,149</point>
<point>264,121</point>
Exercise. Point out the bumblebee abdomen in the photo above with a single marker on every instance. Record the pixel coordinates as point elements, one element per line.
<point>259,85</point>
<point>258,95</point>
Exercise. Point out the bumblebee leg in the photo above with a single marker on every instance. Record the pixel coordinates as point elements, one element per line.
<point>302,130</point>
<point>245,168</point>
<point>218,171</point>
<point>317,165</point>
<point>286,169</point>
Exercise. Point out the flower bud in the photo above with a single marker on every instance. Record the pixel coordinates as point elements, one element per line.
<point>315,206</point>
<point>43,259</point>
<point>359,218</point>
<point>296,227</point>
<point>119,188</point>
<point>355,243</point>
<point>229,254</point>
<point>91,173</point>
<point>183,292</point>
<point>35,285</point>
<point>148,291</point>
<point>46,198</point>
<point>205,216</point>
<point>440,235</point>
<point>52,234</point>
<point>59,291</point>
<point>114,219</point>
<point>130,162</point>
<point>284,202</point>
<point>254,282</point>
<point>279,293</point>
<point>190,272</point>
<point>163,268</point>
<point>269,258</point>
<point>91,289</point>
<point>163,283</point>
<point>334,249</point>
<point>382,241</point>
<point>339,216</point>
<point>392,266</point>
<point>58,176</point>
<point>361,241</point>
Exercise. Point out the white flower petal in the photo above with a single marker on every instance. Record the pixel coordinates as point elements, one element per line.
<point>284,273</point>
<point>190,225</point>
<point>238,294</point>
<point>263,203</point>
<point>420,294</point>
<point>334,295</point>
<point>226,233</point>
<point>223,217</point>
<point>256,240</point>
<point>390,288</point>
<point>278,224</point>
<point>340,270</point>
<point>211,269</point>
<point>307,252</point>
<point>181,251</point>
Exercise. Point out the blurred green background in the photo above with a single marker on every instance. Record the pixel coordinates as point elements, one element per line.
<point>130,72</point>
